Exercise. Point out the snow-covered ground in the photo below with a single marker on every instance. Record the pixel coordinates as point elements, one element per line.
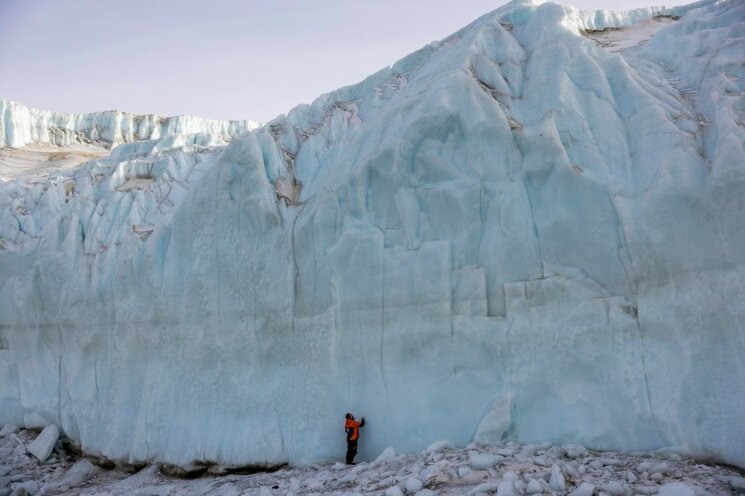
<point>504,469</point>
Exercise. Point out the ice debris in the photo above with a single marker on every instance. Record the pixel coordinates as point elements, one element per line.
<point>676,489</point>
<point>393,491</point>
<point>8,429</point>
<point>43,445</point>
<point>483,461</point>
<point>439,446</point>
<point>557,481</point>
<point>585,489</point>
<point>387,454</point>
<point>81,471</point>
<point>413,485</point>
<point>405,474</point>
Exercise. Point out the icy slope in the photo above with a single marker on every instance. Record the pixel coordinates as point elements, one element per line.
<point>513,233</point>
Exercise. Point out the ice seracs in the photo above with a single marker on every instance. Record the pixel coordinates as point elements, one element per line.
<point>514,228</point>
<point>21,125</point>
<point>36,143</point>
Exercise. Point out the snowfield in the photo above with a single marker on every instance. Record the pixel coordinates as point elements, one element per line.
<point>531,231</point>
<point>505,469</point>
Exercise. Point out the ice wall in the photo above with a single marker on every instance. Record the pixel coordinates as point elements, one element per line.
<point>21,125</point>
<point>511,216</point>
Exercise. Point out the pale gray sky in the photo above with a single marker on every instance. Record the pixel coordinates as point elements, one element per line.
<point>226,59</point>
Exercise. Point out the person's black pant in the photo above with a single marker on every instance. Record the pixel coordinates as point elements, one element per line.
<point>351,451</point>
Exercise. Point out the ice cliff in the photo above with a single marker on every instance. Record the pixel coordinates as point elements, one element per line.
<point>519,232</point>
<point>21,125</point>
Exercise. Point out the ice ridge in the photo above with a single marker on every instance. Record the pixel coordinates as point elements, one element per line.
<point>21,125</point>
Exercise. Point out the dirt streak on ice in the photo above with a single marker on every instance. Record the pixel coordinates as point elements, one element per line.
<point>618,39</point>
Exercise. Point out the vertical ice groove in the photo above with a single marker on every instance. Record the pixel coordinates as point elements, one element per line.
<point>295,275</point>
<point>59,377</point>
<point>643,352</point>
<point>536,233</point>
<point>95,377</point>
<point>381,356</point>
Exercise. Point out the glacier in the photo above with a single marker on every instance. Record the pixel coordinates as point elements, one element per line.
<point>518,232</point>
<point>21,125</point>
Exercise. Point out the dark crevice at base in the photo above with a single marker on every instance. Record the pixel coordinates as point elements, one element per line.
<point>202,468</point>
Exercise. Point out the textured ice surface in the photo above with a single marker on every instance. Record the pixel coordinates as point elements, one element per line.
<point>21,125</point>
<point>513,212</point>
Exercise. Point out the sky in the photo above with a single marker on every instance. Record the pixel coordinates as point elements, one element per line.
<point>224,59</point>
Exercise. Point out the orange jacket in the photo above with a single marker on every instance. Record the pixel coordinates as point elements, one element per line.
<point>353,429</point>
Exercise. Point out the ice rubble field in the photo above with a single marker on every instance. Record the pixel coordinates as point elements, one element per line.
<point>517,233</point>
<point>507,469</point>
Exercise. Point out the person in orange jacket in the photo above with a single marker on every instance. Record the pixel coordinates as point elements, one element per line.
<point>352,428</point>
